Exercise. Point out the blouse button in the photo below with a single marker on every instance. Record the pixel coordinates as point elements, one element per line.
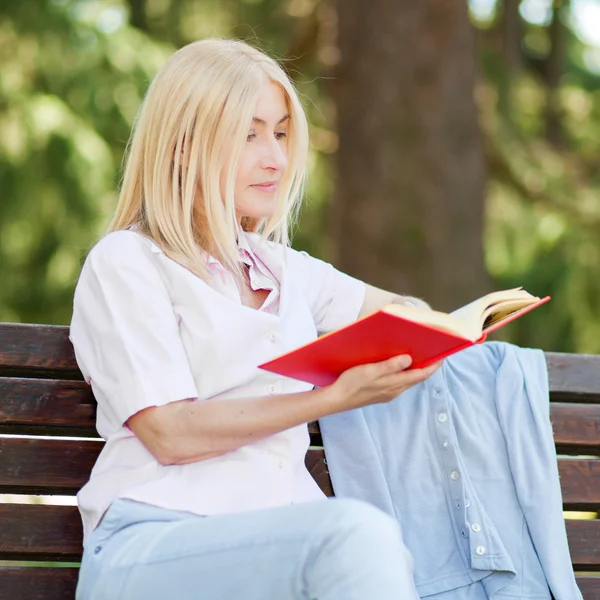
<point>476,527</point>
<point>455,475</point>
<point>442,417</point>
<point>272,389</point>
<point>480,550</point>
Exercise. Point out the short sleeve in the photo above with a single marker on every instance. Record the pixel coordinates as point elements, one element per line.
<point>335,299</point>
<point>124,329</point>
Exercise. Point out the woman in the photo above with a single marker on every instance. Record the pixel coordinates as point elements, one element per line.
<point>201,489</point>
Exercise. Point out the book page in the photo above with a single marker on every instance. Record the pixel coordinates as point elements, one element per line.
<point>439,320</point>
<point>492,308</point>
<point>469,320</point>
<point>495,314</point>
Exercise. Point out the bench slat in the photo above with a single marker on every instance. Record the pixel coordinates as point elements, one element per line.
<point>317,467</point>
<point>56,466</point>
<point>43,583</point>
<point>574,377</point>
<point>27,349</point>
<point>46,466</point>
<point>38,583</point>
<point>37,350</point>
<point>47,407</point>
<point>580,483</point>
<point>64,407</point>
<point>42,532</point>
<point>584,543</point>
<point>590,587</point>
<point>579,478</point>
<point>576,427</point>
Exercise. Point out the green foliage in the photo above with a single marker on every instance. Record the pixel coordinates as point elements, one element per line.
<point>73,73</point>
<point>69,88</point>
<point>543,209</point>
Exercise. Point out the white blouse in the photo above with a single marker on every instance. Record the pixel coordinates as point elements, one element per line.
<point>146,331</point>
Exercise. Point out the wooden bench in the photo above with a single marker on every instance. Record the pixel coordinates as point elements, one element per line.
<point>47,416</point>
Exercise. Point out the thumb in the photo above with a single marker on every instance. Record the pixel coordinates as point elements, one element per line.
<point>399,363</point>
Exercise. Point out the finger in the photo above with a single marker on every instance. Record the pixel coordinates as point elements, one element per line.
<point>375,370</point>
<point>407,378</point>
<point>431,368</point>
<point>396,363</point>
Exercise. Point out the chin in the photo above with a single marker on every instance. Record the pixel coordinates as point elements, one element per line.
<point>258,212</point>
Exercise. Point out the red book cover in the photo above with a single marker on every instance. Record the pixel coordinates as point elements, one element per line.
<point>374,338</point>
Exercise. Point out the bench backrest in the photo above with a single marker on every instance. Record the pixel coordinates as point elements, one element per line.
<point>48,445</point>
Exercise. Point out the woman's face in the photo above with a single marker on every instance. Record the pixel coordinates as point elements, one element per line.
<point>264,157</point>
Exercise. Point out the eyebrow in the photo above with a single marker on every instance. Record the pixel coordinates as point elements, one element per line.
<point>263,122</point>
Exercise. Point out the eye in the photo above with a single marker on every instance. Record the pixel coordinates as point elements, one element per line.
<point>280,135</point>
<point>251,136</point>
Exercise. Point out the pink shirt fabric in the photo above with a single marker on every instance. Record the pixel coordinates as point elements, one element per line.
<point>146,331</point>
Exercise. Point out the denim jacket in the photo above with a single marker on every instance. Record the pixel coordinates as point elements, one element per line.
<point>466,463</point>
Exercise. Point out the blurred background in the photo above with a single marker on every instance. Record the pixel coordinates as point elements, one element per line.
<point>455,145</point>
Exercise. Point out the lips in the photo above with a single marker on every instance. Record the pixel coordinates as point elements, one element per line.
<point>267,186</point>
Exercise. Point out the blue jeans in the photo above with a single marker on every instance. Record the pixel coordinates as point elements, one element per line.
<point>334,549</point>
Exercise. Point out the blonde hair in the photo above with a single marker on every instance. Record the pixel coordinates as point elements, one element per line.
<point>196,113</point>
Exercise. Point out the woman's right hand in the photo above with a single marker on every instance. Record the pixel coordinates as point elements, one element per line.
<point>377,382</point>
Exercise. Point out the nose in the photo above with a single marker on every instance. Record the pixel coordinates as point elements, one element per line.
<point>274,157</point>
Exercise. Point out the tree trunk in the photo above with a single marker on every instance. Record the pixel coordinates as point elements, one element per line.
<point>554,70</point>
<point>407,213</point>
<point>510,53</point>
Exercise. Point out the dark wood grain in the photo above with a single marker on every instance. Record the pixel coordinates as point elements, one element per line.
<point>590,587</point>
<point>57,466</point>
<point>584,543</point>
<point>45,351</point>
<point>47,407</point>
<point>41,393</point>
<point>576,428</point>
<point>37,350</point>
<point>580,480</point>
<point>40,532</point>
<point>580,483</point>
<point>317,467</point>
<point>64,407</point>
<point>46,466</point>
<point>43,583</point>
<point>574,377</point>
<point>38,583</point>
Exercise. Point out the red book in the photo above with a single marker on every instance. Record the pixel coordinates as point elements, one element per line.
<point>427,336</point>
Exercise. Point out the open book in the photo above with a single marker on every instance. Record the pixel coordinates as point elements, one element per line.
<point>427,335</point>
<point>479,317</point>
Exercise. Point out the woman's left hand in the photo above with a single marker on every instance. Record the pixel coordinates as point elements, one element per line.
<point>412,302</point>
